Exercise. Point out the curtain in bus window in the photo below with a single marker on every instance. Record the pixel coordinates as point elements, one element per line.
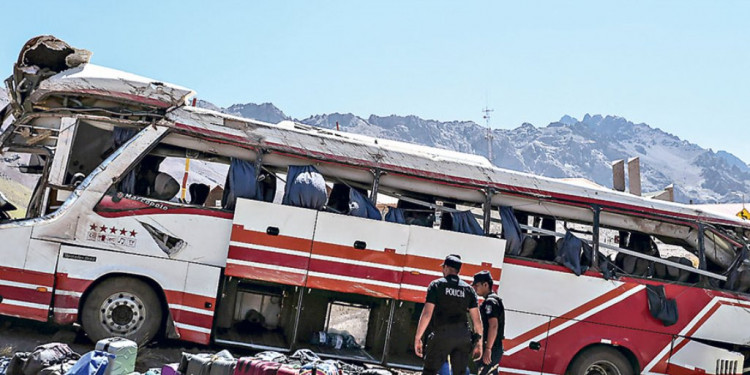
<point>241,183</point>
<point>120,136</point>
<point>361,206</point>
<point>464,222</point>
<point>660,306</point>
<point>395,215</point>
<point>305,187</point>
<point>569,254</point>
<point>511,231</point>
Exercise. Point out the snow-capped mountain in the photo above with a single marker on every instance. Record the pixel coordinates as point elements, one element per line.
<point>566,148</point>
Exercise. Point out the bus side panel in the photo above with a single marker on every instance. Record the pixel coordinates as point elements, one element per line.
<point>78,268</point>
<point>193,310</point>
<point>19,284</point>
<point>428,247</point>
<point>690,357</point>
<point>271,242</point>
<point>575,335</point>
<point>357,255</point>
<point>521,352</point>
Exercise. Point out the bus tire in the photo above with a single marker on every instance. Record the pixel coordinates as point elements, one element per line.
<point>123,307</point>
<point>600,360</point>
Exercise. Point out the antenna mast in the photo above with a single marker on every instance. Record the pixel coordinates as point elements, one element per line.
<point>486,117</point>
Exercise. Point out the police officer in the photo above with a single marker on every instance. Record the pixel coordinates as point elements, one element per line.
<point>493,321</point>
<point>448,300</point>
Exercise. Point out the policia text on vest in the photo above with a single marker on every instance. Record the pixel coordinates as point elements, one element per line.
<point>448,301</point>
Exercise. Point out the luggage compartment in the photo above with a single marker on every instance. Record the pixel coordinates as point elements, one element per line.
<point>364,318</point>
<point>257,314</point>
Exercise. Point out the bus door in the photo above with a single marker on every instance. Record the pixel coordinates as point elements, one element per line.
<point>271,242</point>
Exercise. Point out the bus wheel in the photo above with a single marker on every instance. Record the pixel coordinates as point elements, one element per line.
<point>601,360</point>
<point>123,307</point>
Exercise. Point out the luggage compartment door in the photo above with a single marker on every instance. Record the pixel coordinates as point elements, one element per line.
<point>356,255</point>
<point>428,248</point>
<point>271,242</point>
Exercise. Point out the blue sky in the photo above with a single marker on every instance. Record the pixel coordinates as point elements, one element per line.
<point>682,66</point>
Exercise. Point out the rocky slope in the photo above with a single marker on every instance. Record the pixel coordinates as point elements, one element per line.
<point>566,148</point>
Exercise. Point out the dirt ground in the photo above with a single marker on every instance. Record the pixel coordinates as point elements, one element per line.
<point>24,335</point>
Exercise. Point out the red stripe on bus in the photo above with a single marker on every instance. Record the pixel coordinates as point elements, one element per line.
<point>258,273</point>
<point>240,234</point>
<point>350,287</point>
<point>365,255</point>
<point>67,302</point>
<point>191,318</point>
<point>23,312</point>
<point>65,282</point>
<point>353,270</point>
<point>410,295</point>
<point>190,300</point>
<point>25,276</point>
<point>268,257</point>
<point>25,295</point>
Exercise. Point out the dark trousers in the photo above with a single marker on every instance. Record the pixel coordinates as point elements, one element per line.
<point>494,367</point>
<point>453,341</point>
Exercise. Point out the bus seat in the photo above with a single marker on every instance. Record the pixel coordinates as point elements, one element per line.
<point>198,193</point>
<point>165,187</point>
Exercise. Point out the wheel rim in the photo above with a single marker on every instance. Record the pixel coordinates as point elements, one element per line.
<point>603,367</point>
<point>122,313</point>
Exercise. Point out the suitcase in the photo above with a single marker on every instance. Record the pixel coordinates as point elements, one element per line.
<point>125,352</point>
<point>221,363</point>
<point>59,369</point>
<point>254,366</point>
<point>170,369</point>
<point>287,370</point>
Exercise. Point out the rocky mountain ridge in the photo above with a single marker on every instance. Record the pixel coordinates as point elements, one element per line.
<point>566,148</point>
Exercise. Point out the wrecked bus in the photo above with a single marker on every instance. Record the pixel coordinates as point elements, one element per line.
<point>274,239</point>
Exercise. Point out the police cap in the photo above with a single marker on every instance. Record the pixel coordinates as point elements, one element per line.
<point>453,261</point>
<point>482,277</point>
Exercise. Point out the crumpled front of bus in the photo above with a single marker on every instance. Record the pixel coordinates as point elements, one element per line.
<point>53,85</point>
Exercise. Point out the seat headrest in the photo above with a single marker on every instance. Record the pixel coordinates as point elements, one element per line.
<point>165,187</point>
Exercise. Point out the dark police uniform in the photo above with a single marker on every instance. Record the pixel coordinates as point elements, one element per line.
<point>492,307</point>
<point>452,298</point>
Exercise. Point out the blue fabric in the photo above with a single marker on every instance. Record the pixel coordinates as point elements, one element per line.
<point>120,136</point>
<point>395,215</point>
<point>446,369</point>
<point>92,363</point>
<point>361,206</point>
<point>574,254</point>
<point>241,183</point>
<point>305,187</point>
<point>464,222</point>
<point>511,231</point>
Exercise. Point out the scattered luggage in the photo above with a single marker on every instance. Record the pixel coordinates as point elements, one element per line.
<point>221,363</point>
<point>43,356</point>
<point>170,369</point>
<point>117,356</point>
<point>320,368</point>
<point>59,369</point>
<point>92,363</point>
<point>125,352</point>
